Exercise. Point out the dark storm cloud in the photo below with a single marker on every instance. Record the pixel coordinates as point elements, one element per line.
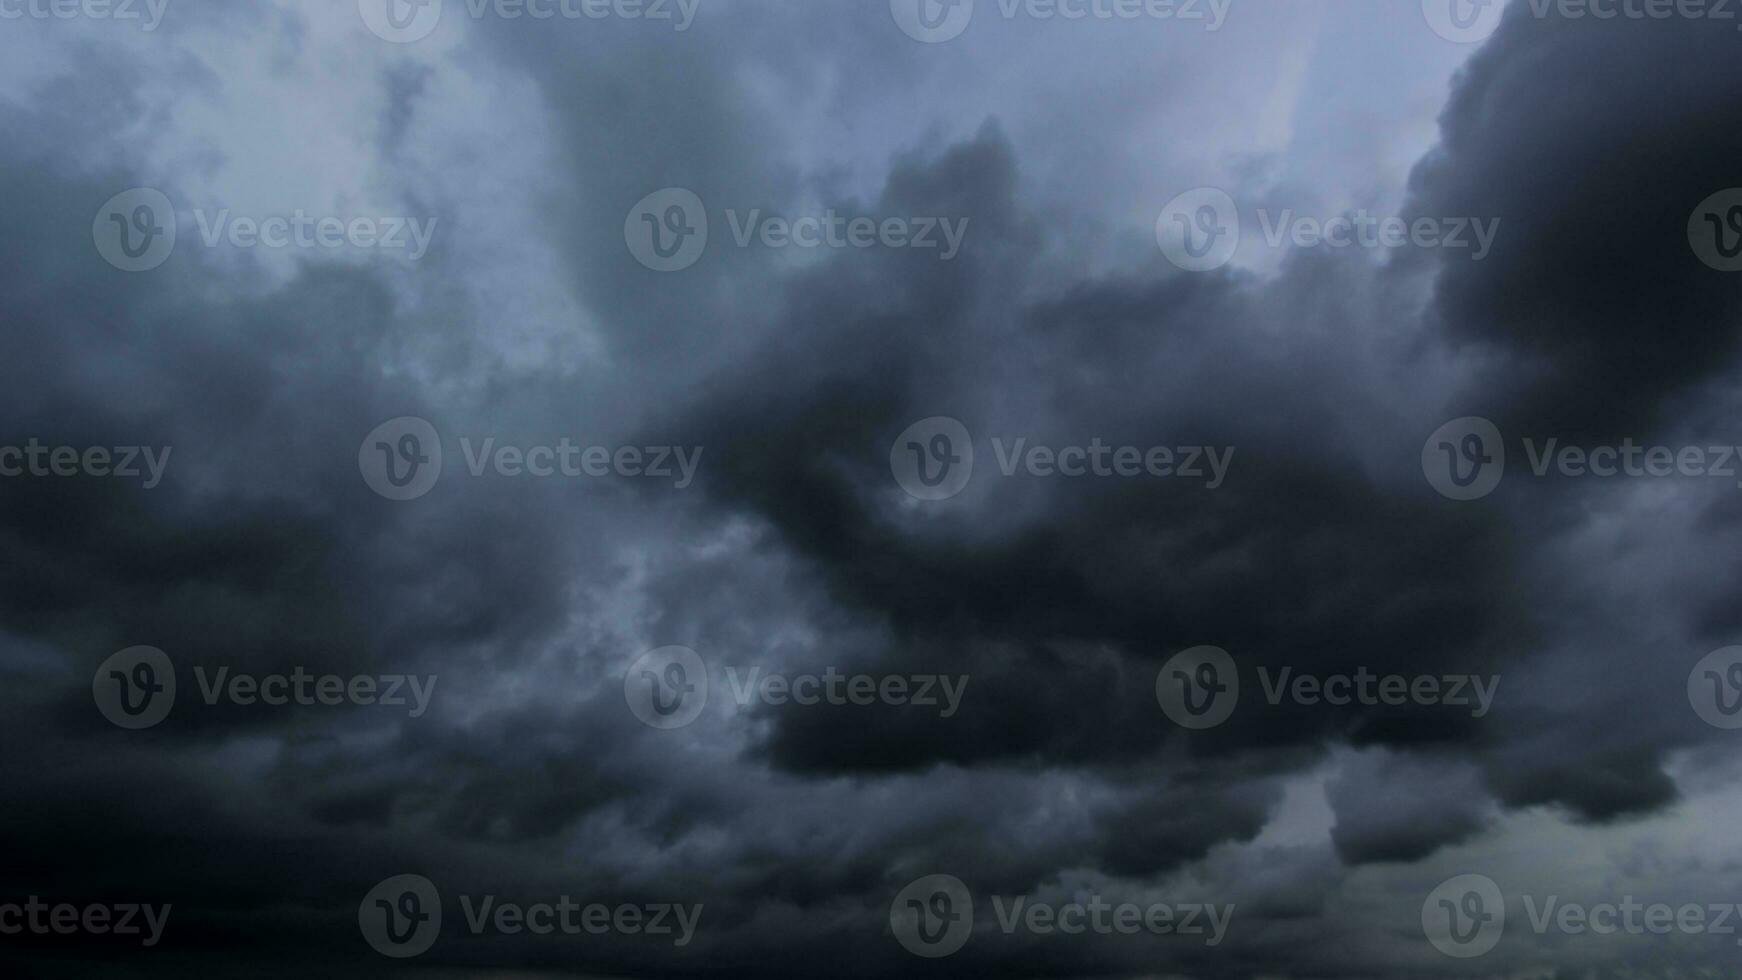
<point>1592,285</point>
<point>1059,600</point>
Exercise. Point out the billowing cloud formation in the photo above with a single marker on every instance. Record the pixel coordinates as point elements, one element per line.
<point>1566,613</point>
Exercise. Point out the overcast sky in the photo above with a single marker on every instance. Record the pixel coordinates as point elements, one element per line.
<point>579,392</point>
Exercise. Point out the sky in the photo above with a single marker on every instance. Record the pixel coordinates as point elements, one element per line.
<point>872,488</point>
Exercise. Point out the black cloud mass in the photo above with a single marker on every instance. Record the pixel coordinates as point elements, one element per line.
<point>760,488</point>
